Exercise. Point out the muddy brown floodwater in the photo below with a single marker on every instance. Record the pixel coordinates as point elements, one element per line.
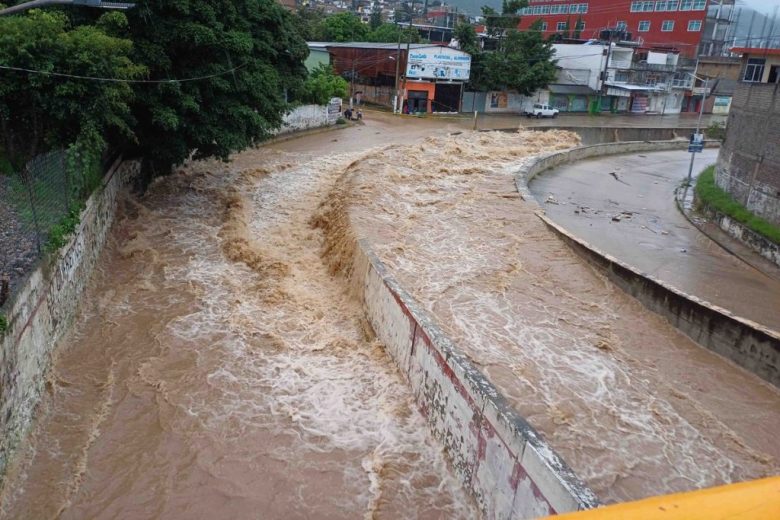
<point>218,369</point>
<point>635,407</point>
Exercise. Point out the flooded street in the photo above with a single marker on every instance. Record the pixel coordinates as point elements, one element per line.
<point>221,366</point>
<point>652,234</point>
<point>218,370</point>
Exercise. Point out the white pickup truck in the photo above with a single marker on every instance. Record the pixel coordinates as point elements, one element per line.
<point>539,110</point>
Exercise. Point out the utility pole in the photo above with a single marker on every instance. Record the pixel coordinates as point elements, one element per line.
<point>408,46</point>
<point>605,72</point>
<point>397,101</point>
<point>698,130</point>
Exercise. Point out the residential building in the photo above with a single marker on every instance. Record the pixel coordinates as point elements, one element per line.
<point>430,79</point>
<point>719,28</point>
<point>598,77</point>
<point>748,166</point>
<point>673,25</point>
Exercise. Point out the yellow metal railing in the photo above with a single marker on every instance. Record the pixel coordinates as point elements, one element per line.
<point>754,500</point>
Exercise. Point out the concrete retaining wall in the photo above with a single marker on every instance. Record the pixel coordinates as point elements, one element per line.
<point>306,117</point>
<point>590,135</point>
<point>747,343</point>
<point>554,159</point>
<point>758,243</point>
<point>510,470</point>
<point>45,307</point>
<point>599,135</point>
<point>749,163</point>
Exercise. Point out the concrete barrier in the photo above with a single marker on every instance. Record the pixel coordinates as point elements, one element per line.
<point>44,308</point>
<point>600,135</point>
<point>553,159</point>
<point>750,345</point>
<point>590,135</point>
<point>510,470</point>
<point>738,231</point>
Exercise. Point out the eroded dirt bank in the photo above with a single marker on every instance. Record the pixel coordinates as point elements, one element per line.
<point>219,370</point>
<point>636,408</point>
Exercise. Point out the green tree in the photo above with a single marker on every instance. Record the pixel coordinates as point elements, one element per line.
<point>323,84</point>
<point>467,38</point>
<point>307,23</point>
<point>523,63</point>
<point>578,28</point>
<point>342,27</point>
<point>389,33</point>
<point>497,24</point>
<point>243,57</point>
<point>376,17</point>
<point>39,112</point>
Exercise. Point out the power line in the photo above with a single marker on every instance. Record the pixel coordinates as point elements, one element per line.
<point>120,80</point>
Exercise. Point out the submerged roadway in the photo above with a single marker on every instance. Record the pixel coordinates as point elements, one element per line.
<point>625,206</point>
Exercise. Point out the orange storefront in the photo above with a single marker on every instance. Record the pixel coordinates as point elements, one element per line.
<point>419,96</point>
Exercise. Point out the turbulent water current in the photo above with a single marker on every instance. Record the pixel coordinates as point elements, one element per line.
<point>219,370</point>
<point>221,366</point>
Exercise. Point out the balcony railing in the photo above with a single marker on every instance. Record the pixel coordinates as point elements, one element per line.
<point>640,65</point>
<point>686,83</point>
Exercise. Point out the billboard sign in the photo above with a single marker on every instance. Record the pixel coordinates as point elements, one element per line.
<point>438,63</point>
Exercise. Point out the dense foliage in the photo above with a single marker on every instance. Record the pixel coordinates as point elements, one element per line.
<point>392,33</point>
<point>341,27</point>
<point>323,84</point>
<point>314,25</point>
<point>39,112</point>
<point>249,53</point>
<point>523,61</point>
<point>216,79</point>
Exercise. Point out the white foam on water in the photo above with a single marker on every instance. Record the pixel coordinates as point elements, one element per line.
<point>549,331</point>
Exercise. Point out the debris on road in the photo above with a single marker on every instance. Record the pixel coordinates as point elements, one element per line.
<point>620,216</point>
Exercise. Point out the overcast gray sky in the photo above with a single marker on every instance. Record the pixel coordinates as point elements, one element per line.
<point>765,6</point>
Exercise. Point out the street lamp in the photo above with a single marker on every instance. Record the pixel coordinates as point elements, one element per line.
<point>100,4</point>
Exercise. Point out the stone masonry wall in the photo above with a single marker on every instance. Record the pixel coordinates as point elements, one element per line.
<point>749,163</point>
<point>46,306</point>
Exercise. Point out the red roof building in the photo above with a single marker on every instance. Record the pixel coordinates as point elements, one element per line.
<point>668,24</point>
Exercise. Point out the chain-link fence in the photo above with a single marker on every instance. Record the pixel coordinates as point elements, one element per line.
<point>39,207</point>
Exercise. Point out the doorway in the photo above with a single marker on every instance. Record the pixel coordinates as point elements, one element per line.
<point>417,101</point>
<point>447,97</point>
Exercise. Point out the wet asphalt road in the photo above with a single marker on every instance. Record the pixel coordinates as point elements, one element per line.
<point>650,233</point>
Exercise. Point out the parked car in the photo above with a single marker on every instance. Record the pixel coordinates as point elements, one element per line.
<point>539,110</point>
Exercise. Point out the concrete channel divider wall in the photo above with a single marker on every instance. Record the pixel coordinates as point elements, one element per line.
<point>45,307</point>
<point>510,470</point>
<point>748,344</point>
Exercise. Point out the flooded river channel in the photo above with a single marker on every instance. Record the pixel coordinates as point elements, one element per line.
<point>218,370</point>
<point>222,368</point>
